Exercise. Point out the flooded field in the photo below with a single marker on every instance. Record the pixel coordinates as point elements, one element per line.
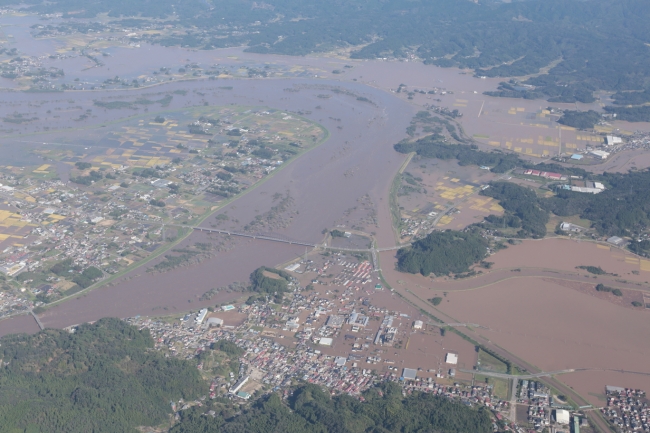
<point>442,195</point>
<point>591,384</point>
<point>558,328</point>
<point>562,254</point>
<point>549,311</point>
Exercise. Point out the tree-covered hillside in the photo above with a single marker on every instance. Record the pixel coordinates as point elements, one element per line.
<point>585,45</point>
<point>310,410</point>
<point>102,378</point>
<point>443,253</point>
<point>623,209</point>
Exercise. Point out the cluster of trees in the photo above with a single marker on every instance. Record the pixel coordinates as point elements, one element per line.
<point>623,209</point>
<point>311,410</point>
<point>102,378</point>
<point>274,286</point>
<point>593,269</point>
<point>631,98</point>
<point>67,269</point>
<point>521,208</point>
<point>577,92</point>
<point>443,253</point>
<point>83,165</point>
<point>641,248</point>
<point>157,203</point>
<point>229,348</point>
<point>430,147</point>
<point>631,114</point>
<point>263,152</point>
<point>604,288</point>
<point>93,176</point>
<point>580,119</point>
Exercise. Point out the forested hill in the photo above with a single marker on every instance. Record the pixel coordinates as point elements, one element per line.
<point>310,410</point>
<point>102,378</point>
<point>594,44</point>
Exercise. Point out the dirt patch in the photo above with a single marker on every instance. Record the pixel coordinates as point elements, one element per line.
<point>272,275</point>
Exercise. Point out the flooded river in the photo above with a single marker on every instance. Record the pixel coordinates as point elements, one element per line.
<point>362,112</point>
<point>357,161</point>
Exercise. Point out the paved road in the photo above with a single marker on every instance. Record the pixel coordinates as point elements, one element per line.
<point>522,376</point>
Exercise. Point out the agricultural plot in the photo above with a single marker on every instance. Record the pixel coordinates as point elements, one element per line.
<point>438,194</point>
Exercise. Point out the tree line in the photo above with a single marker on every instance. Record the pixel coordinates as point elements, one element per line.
<point>101,378</point>
<point>309,409</point>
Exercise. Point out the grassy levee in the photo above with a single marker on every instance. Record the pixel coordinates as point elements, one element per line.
<point>393,203</point>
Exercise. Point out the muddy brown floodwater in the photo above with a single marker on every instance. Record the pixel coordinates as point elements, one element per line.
<point>528,305</point>
<point>541,313</point>
<point>356,161</point>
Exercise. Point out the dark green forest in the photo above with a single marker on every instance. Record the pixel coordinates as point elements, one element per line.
<point>443,253</point>
<point>631,114</point>
<point>631,98</point>
<point>623,209</point>
<point>587,45</point>
<point>263,284</point>
<point>521,208</point>
<point>101,378</point>
<point>310,410</point>
<point>580,119</point>
<point>431,146</point>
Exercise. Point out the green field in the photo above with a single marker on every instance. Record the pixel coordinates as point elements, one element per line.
<point>488,362</point>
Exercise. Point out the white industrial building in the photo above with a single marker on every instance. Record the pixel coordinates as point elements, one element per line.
<point>418,324</point>
<point>562,416</point>
<point>600,154</point>
<point>451,358</point>
<point>201,316</point>
<point>615,240</point>
<point>611,140</point>
<point>236,387</point>
<point>409,373</point>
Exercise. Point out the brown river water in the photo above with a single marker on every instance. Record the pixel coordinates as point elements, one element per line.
<point>357,161</point>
